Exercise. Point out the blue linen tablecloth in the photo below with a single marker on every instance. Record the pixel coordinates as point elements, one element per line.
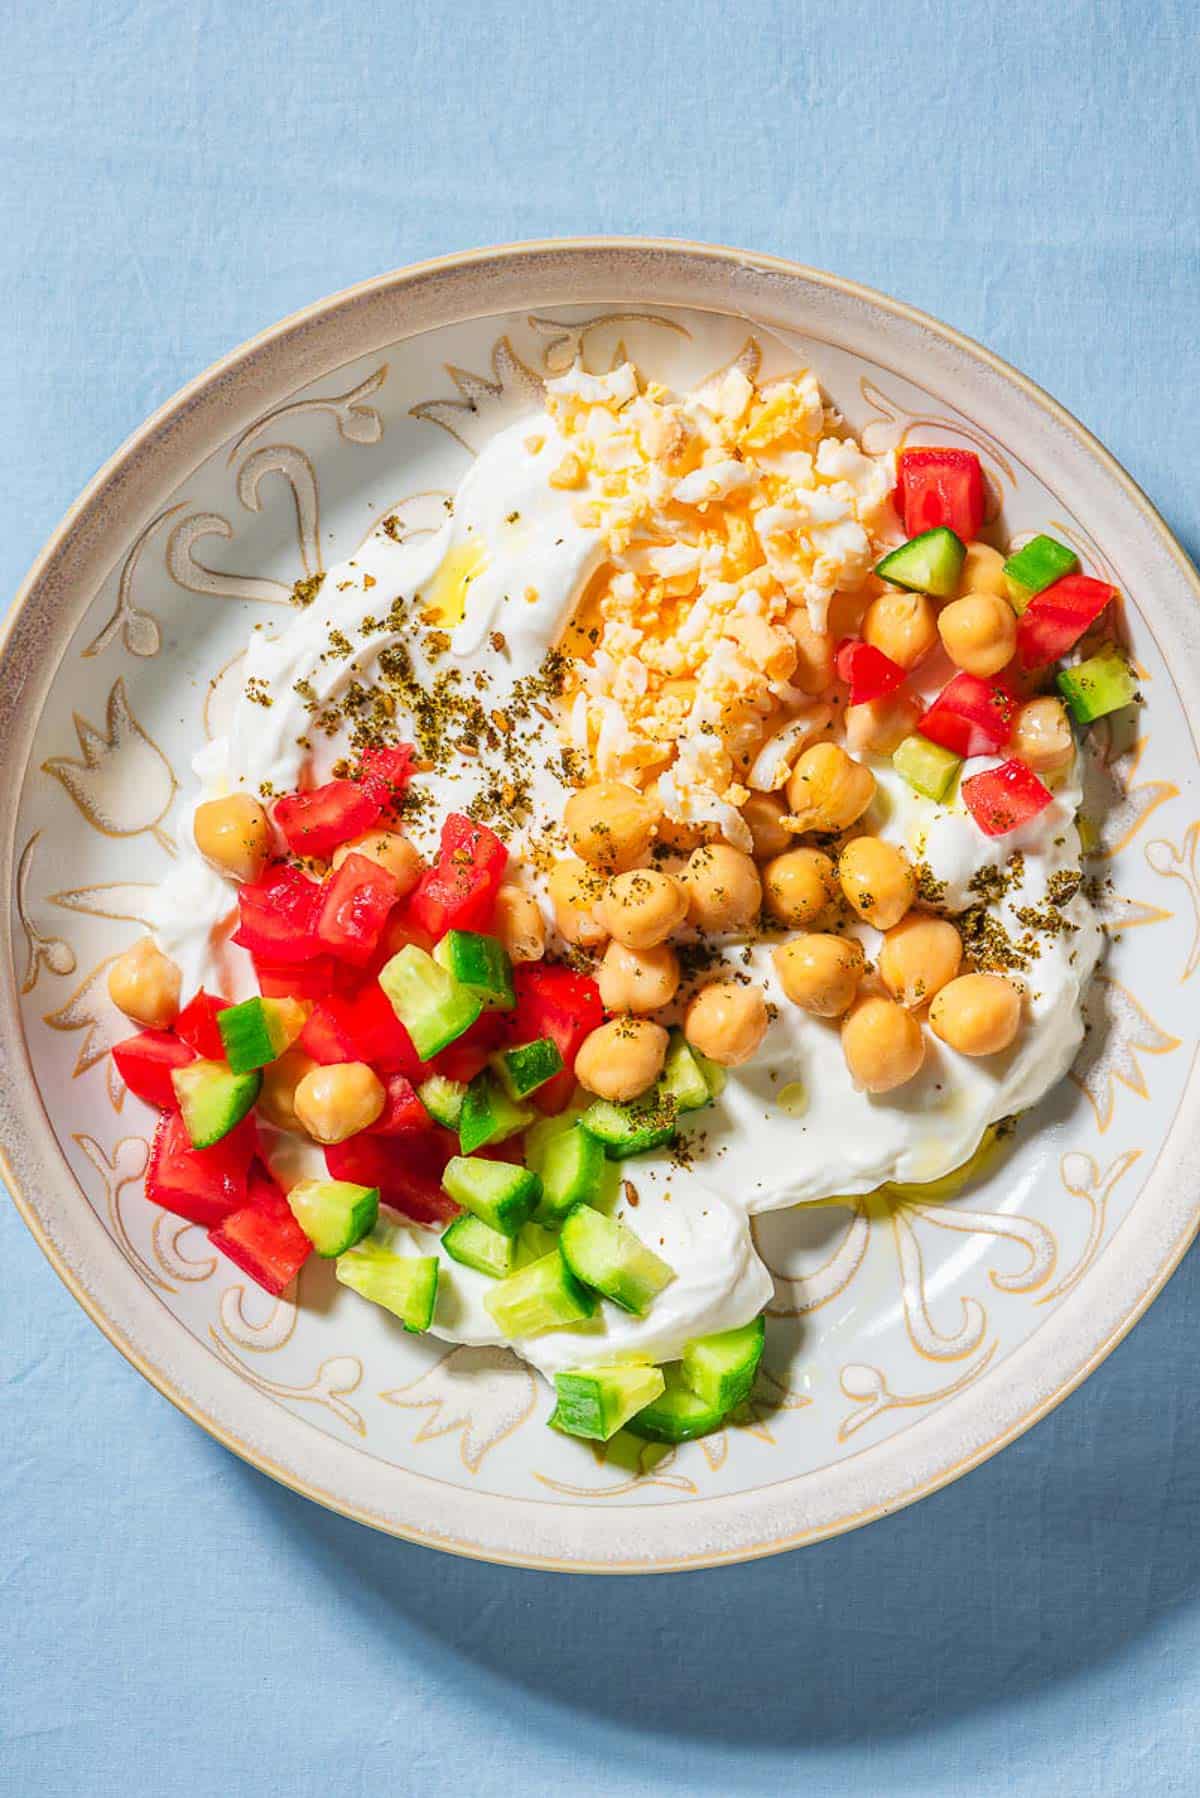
<point>173,178</point>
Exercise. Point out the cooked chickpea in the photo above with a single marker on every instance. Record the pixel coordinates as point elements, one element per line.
<point>919,957</point>
<point>979,633</point>
<point>883,1044</point>
<point>903,626</point>
<point>726,1021</point>
<point>1042,737</point>
<point>233,834</point>
<point>724,891</point>
<point>390,851</point>
<point>519,923</point>
<point>813,672</point>
<point>982,570</point>
<point>877,880</point>
<point>827,789</point>
<point>879,726</point>
<point>764,814</point>
<point>641,907</point>
<point>798,885</point>
<point>977,1014</point>
<point>277,1094</point>
<point>820,973</point>
<point>335,1102</point>
<point>622,1059</point>
<point>610,825</point>
<point>575,891</point>
<point>637,980</point>
<point>144,984</point>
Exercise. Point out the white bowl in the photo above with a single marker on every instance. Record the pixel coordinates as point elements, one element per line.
<point>910,1338</point>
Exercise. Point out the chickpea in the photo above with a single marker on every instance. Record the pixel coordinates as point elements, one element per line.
<point>879,726</point>
<point>610,825</point>
<point>390,851</point>
<point>332,1103</point>
<point>519,923</point>
<point>982,571</point>
<point>820,973</point>
<point>144,984</point>
<point>979,633</point>
<point>903,626</point>
<point>726,1021</point>
<point>637,980</point>
<point>813,672</point>
<point>1042,737</point>
<point>233,834</point>
<point>764,814</point>
<point>724,891</point>
<point>641,907</point>
<point>827,790</point>
<point>919,957</point>
<point>622,1059</point>
<point>277,1094</point>
<point>798,885</point>
<point>877,880</point>
<point>977,1014</point>
<point>883,1044</point>
<point>575,891</point>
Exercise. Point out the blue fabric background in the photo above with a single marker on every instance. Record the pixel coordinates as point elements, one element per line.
<point>172,178</point>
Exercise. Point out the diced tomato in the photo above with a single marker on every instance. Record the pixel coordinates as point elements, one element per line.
<point>279,916</point>
<point>203,1185</point>
<point>326,1035</point>
<point>399,930</point>
<point>197,1025</point>
<point>459,892</point>
<point>144,1063</point>
<point>1002,798</point>
<point>970,717</point>
<point>262,1237</point>
<point>316,822</point>
<point>315,979</point>
<point>407,1171</point>
<point>403,1112</point>
<point>867,672</point>
<point>941,486</point>
<point>1056,618</point>
<point>469,1055</point>
<point>358,897</point>
<point>362,1027</point>
<point>386,774</point>
<point>555,1002</point>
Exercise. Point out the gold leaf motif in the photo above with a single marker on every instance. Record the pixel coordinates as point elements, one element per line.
<point>890,428</point>
<point>187,571</point>
<point>138,628</point>
<point>292,463</point>
<point>1082,1177</point>
<point>474,418</point>
<point>91,1010</point>
<point>1117,913</point>
<point>127,1166</point>
<point>1038,1242</point>
<point>570,342</point>
<point>644,1464</point>
<point>126,900</point>
<point>1112,793</point>
<point>797,1297</point>
<point>1180,864</point>
<point>927,1338</point>
<point>486,1393</point>
<point>42,950</point>
<point>124,785</point>
<point>1119,1030</point>
<point>166,1238</point>
<point>871,1393</point>
<point>334,1378</point>
<point>356,422</point>
<point>265,1337</point>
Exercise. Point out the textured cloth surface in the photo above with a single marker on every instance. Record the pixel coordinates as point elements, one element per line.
<point>173,178</point>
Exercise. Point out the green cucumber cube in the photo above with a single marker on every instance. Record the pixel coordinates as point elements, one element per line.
<point>500,1195</point>
<point>259,1031</point>
<point>605,1254</point>
<point>443,1099</point>
<point>930,563</point>
<point>596,1401</point>
<point>677,1415</point>
<point>213,1099</point>
<point>405,1285</point>
<point>543,1296</point>
<point>527,1066</point>
<point>481,964</point>
<point>624,1130</point>
<point>488,1114</point>
<point>720,1369</point>
<point>534,1241</point>
<point>475,1244</point>
<point>334,1214</point>
<point>683,1079</point>
<point>431,1004</point>
<point>1092,689</point>
<point>573,1169</point>
<point>1036,566</point>
<point>927,767</point>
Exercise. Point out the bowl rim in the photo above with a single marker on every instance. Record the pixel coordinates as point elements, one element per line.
<point>22,1112</point>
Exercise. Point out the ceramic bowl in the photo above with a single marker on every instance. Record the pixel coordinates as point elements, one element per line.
<point>911,1334</point>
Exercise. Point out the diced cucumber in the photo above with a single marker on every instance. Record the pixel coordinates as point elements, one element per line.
<point>720,1369</point>
<point>527,1066</point>
<point>683,1080</point>
<point>488,1115</point>
<point>443,1099</point>
<point>334,1214</point>
<point>213,1099</point>
<point>481,964</point>
<point>534,1241</point>
<point>573,1167</point>
<point>501,1195</point>
<point>1036,566</point>
<point>630,1129</point>
<point>596,1401</point>
<point>1092,689</point>
<point>405,1285</point>
<point>543,1296</point>
<point>715,1075</point>
<point>926,766</point>
<point>431,1004</point>
<point>258,1031</point>
<point>930,563</point>
<point>677,1415</point>
<point>604,1253</point>
<point>469,1240</point>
